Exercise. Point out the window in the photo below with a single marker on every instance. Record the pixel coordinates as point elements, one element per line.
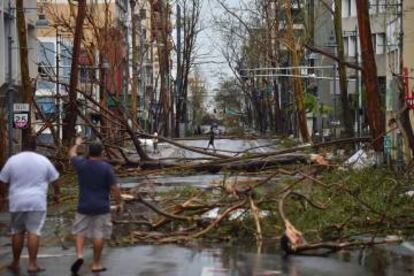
<point>47,105</point>
<point>373,6</point>
<point>374,41</point>
<point>46,64</point>
<point>346,45</point>
<point>47,55</point>
<point>381,6</point>
<point>346,8</point>
<point>353,8</point>
<point>83,75</point>
<point>376,6</point>
<point>296,5</point>
<point>352,46</point>
<point>382,85</point>
<point>380,44</point>
<point>65,61</point>
<point>86,75</point>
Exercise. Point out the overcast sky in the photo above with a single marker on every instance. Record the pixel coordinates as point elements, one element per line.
<point>212,66</point>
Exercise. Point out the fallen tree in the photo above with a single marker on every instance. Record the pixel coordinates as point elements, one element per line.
<point>317,201</point>
<point>309,208</point>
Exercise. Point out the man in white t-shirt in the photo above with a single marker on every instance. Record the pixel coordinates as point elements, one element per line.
<point>27,176</point>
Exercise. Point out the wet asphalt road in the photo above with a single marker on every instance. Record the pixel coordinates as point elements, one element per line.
<point>217,260</point>
<point>171,260</point>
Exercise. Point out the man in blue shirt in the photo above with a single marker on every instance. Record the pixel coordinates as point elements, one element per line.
<point>96,180</point>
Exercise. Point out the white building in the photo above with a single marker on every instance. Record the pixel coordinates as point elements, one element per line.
<point>10,75</point>
<point>8,37</point>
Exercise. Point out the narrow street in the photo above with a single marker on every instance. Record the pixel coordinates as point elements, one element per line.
<point>244,257</point>
<point>207,137</point>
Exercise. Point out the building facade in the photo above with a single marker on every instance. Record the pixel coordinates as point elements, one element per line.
<point>325,39</point>
<point>400,57</point>
<point>10,76</point>
<point>103,61</point>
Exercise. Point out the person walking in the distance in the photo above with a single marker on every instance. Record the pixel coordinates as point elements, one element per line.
<point>155,143</point>
<point>96,180</point>
<point>211,139</point>
<point>27,176</point>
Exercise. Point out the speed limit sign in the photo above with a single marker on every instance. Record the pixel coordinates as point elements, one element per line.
<point>20,120</point>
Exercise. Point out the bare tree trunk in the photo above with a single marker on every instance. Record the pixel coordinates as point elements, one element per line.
<point>69,131</point>
<point>297,82</point>
<point>375,112</point>
<point>102,94</point>
<point>162,47</point>
<point>134,88</point>
<point>275,45</point>
<point>270,25</point>
<point>24,65</point>
<point>347,113</point>
<point>191,19</point>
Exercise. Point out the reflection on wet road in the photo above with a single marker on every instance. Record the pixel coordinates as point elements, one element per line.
<point>171,260</point>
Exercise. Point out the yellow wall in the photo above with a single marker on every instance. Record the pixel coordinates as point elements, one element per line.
<point>63,15</point>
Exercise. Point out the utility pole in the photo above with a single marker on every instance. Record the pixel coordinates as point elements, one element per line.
<point>358,86</point>
<point>26,89</point>
<point>142,65</point>
<point>134,88</point>
<point>58,99</point>
<point>10,88</point>
<point>179,96</point>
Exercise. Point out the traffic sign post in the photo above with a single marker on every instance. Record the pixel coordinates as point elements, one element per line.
<point>21,107</point>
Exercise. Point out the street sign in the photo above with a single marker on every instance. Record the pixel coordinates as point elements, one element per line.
<point>21,107</point>
<point>20,120</point>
